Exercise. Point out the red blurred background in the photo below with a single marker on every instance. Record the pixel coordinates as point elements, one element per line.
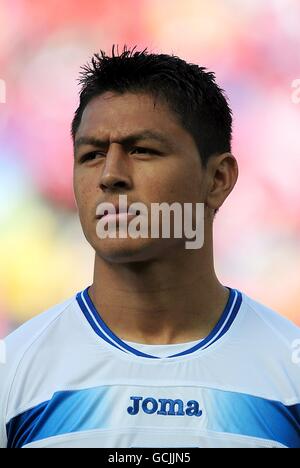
<point>252,46</point>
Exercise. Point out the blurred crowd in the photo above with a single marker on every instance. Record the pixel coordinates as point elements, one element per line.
<point>252,46</point>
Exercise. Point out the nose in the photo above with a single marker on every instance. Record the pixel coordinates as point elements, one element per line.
<point>116,171</point>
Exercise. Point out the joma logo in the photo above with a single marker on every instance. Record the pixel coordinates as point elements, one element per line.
<point>164,407</point>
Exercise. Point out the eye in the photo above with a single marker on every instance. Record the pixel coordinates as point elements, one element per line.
<point>143,150</point>
<point>91,156</point>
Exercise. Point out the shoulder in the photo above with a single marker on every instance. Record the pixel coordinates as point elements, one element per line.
<point>22,338</point>
<point>17,345</point>
<point>273,343</point>
<point>276,327</point>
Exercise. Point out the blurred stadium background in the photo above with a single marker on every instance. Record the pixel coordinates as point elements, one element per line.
<point>254,48</point>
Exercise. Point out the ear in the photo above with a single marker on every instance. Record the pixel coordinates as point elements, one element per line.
<point>222,172</point>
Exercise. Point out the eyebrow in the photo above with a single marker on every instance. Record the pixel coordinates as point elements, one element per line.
<point>127,140</point>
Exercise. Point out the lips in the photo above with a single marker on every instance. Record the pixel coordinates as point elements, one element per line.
<point>118,212</point>
<point>112,212</point>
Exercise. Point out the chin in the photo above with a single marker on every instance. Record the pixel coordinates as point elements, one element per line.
<point>127,250</point>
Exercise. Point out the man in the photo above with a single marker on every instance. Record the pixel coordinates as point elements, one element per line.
<point>156,352</point>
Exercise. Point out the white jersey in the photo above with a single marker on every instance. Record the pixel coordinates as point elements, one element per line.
<point>69,381</point>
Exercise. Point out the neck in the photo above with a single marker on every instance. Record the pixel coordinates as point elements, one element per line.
<point>174,299</point>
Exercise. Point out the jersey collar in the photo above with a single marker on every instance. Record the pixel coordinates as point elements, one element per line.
<point>105,333</point>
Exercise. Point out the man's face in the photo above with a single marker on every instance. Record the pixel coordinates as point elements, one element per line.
<point>145,168</point>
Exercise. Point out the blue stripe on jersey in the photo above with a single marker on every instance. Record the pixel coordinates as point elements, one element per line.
<point>223,325</point>
<point>92,322</point>
<point>94,408</point>
<point>20,428</point>
<point>99,326</point>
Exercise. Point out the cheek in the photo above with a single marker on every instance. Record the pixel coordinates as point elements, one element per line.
<point>175,182</point>
<point>82,190</point>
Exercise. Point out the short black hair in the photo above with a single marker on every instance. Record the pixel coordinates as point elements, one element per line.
<point>190,91</point>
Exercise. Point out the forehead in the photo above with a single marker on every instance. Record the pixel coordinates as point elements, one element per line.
<point>126,113</point>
